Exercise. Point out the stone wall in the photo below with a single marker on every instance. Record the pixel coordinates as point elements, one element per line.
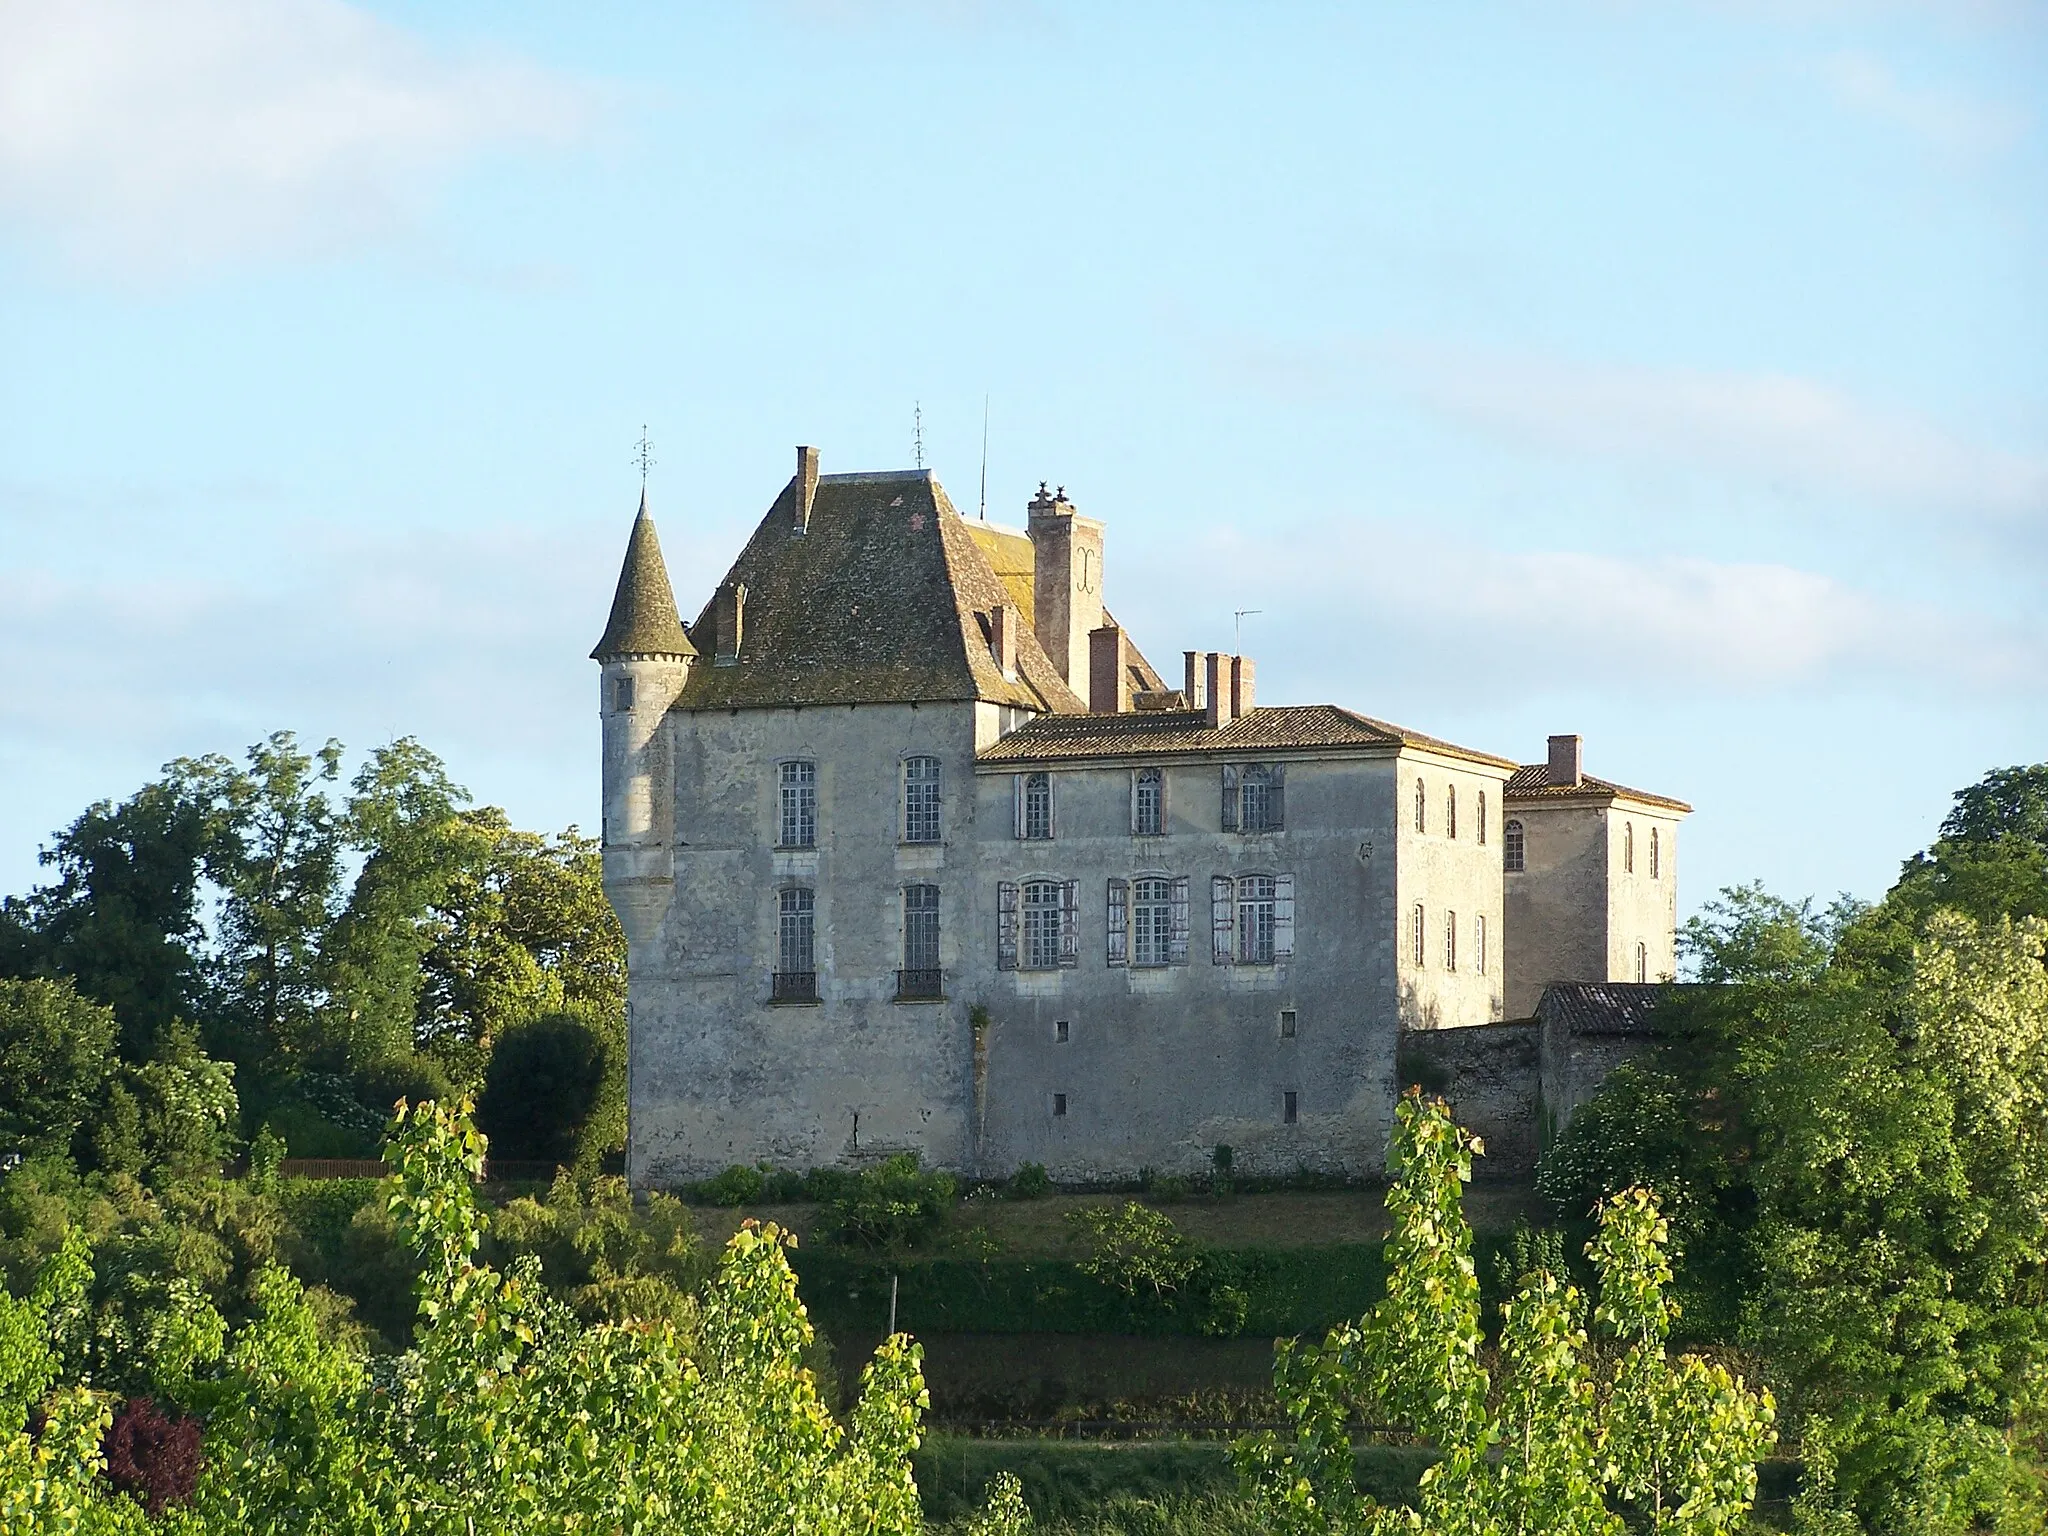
<point>1491,1077</point>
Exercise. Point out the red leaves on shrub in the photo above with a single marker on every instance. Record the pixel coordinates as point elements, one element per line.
<point>152,1456</point>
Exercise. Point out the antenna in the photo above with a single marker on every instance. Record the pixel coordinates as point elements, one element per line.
<point>917,432</point>
<point>1241,615</point>
<point>643,455</point>
<point>984,458</point>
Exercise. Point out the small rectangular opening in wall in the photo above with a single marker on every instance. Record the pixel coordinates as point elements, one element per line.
<point>1286,1023</point>
<point>1290,1107</point>
<point>1059,1105</point>
<point>624,694</point>
<point>1062,1032</point>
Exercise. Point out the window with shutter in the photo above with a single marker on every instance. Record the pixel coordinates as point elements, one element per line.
<point>1070,924</point>
<point>1151,921</point>
<point>1042,926</point>
<point>1177,934</point>
<point>1148,803</point>
<point>1283,917</point>
<point>1255,919</point>
<point>1230,797</point>
<point>1222,914</point>
<point>1017,805</point>
<point>1276,799</point>
<point>1119,923</point>
<point>1006,925</point>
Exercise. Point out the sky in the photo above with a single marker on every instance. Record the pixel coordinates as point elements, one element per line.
<point>1675,374</point>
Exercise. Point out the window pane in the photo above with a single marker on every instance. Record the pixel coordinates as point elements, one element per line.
<point>1038,805</point>
<point>799,828</point>
<point>1151,921</point>
<point>1255,914</point>
<point>1511,847</point>
<point>1147,806</point>
<point>1041,926</point>
<point>921,928</point>
<point>921,800</point>
<point>796,949</point>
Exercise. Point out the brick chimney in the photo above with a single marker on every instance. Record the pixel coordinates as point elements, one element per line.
<point>1194,675</point>
<point>1216,689</point>
<point>1066,561</point>
<point>730,613</point>
<point>1109,671</point>
<point>1567,760</point>
<point>1005,624</point>
<point>1241,687</point>
<point>806,487</point>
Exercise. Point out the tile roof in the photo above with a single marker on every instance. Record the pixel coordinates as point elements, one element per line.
<point>883,599</point>
<point>643,620</point>
<point>1142,733</point>
<point>1604,1007</point>
<point>1531,781</point>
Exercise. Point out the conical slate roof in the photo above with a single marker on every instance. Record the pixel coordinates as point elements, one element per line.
<point>644,620</point>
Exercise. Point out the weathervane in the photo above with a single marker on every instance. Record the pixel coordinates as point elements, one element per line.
<point>643,455</point>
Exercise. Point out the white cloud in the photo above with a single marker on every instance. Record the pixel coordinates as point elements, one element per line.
<point>1945,119</point>
<point>1774,427</point>
<point>145,135</point>
<point>1340,594</point>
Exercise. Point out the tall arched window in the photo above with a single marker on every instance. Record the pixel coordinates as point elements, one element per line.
<point>1450,810</point>
<point>1041,925</point>
<point>1482,818</point>
<point>1450,941</point>
<point>1148,803</point>
<point>1421,806</point>
<point>1417,952</point>
<point>1511,847</point>
<point>796,978</point>
<point>1642,962</point>
<point>920,800</point>
<point>1628,847</point>
<point>1655,862</point>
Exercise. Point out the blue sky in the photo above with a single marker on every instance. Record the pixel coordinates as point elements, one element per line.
<point>1676,374</point>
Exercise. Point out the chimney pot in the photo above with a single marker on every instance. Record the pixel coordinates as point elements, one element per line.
<point>1567,760</point>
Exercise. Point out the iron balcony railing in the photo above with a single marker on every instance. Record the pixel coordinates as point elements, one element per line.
<point>918,983</point>
<point>793,987</point>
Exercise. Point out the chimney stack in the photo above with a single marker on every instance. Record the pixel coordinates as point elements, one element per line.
<point>1194,666</point>
<point>1216,689</point>
<point>1241,687</point>
<point>1109,671</point>
<point>806,487</point>
<point>1066,581</point>
<point>1003,623</point>
<point>731,613</point>
<point>1567,760</point>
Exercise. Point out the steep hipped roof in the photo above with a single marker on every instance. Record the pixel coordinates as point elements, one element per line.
<point>644,621</point>
<point>1532,781</point>
<point>882,598</point>
<point>1147,732</point>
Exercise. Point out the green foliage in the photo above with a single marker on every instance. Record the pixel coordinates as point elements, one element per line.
<point>1558,1436</point>
<point>1133,1247</point>
<point>896,1203</point>
<point>55,1050</point>
<point>553,1091</point>
<point>738,1185</point>
<point>609,1260</point>
<point>1029,1182</point>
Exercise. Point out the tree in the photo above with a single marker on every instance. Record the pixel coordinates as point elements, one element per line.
<point>1561,1437</point>
<point>555,1092</point>
<point>56,1051</point>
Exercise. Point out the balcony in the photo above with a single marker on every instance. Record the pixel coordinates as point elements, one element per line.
<point>919,985</point>
<point>793,987</point>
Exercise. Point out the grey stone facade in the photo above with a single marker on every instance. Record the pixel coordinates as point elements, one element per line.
<point>890,884</point>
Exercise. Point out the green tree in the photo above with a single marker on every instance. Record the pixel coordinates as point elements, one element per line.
<point>56,1053</point>
<point>1564,1435</point>
<point>555,1092</point>
<point>1133,1247</point>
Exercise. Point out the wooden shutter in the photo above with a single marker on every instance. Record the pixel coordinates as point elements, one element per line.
<point>1283,917</point>
<point>1134,800</point>
<point>1070,924</point>
<point>1276,798</point>
<point>1177,934</point>
<point>1017,805</point>
<point>1222,917</point>
<point>1052,807</point>
<point>1230,797</point>
<point>1006,925</point>
<point>1119,922</point>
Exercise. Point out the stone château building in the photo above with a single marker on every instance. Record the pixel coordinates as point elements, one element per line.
<point>915,849</point>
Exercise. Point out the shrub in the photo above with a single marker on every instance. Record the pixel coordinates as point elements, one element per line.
<point>152,1457</point>
<point>895,1204</point>
<point>546,1090</point>
<point>1029,1182</point>
<point>738,1185</point>
<point>1134,1246</point>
